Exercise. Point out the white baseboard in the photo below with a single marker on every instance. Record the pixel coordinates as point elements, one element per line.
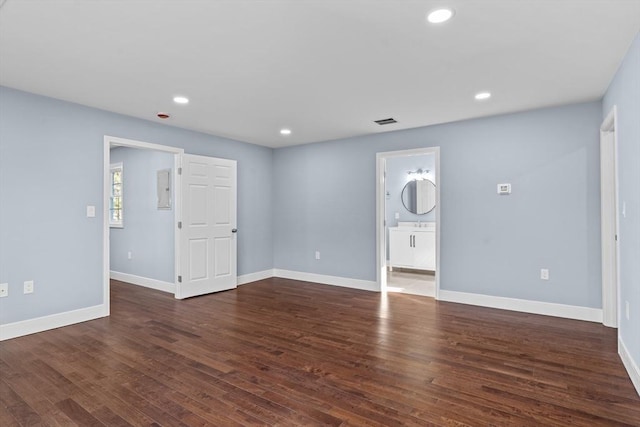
<point>630,364</point>
<point>158,285</point>
<point>53,321</point>
<point>345,282</point>
<point>526,306</point>
<point>254,277</point>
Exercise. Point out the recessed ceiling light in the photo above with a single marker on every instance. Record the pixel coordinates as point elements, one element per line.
<point>285,131</point>
<point>480,96</point>
<point>180,99</point>
<point>439,16</point>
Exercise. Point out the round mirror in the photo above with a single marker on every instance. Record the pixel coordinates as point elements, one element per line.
<point>419,196</point>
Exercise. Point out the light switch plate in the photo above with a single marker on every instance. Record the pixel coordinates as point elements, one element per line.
<point>626,309</point>
<point>91,211</point>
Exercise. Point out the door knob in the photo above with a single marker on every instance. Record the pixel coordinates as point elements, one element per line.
<point>235,230</point>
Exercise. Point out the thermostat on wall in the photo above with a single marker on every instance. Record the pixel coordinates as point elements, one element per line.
<point>504,188</point>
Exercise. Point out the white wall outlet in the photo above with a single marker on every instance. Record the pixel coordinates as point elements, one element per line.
<point>28,287</point>
<point>544,274</point>
<point>129,255</point>
<point>91,211</point>
<point>4,290</point>
<point>317,254</point>
<point>626,309</point>
<point>504,189</point>
<point>397,216</point>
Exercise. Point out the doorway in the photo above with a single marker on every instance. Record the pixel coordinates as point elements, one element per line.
<point>110,143</point>
<point>609,220</point>
<point>408,221</point>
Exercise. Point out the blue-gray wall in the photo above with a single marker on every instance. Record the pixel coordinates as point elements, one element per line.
<point>148,232</point>
<point>51,157</point>
<point>490,244</point>
<point>624,92</point>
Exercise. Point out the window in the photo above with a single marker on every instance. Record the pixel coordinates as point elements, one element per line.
<point>115,200</point>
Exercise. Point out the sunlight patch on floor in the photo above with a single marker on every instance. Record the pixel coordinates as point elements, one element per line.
<point>411,282</point>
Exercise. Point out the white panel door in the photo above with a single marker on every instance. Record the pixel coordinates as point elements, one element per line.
<point>422,196</point>
<point>208,244</point>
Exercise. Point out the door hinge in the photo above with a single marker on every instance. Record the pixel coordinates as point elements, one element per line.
<point>179,224</point>
<point>179,279</point>
<point>179,171</point>
<point>616,237</point>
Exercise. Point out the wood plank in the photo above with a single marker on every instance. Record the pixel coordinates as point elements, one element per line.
<point>15,406</point>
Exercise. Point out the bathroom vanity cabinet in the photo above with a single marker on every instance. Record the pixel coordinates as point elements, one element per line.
<point>413,246</point>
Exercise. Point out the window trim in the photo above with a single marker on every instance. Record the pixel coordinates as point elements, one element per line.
<point>113,167</point>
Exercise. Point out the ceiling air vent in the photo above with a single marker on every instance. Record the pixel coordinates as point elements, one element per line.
<point>386,121</point>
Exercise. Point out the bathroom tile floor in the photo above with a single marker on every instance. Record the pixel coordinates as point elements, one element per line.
<point>411,282</point>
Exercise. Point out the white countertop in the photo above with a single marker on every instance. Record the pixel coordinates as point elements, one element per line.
<point>416,226</point>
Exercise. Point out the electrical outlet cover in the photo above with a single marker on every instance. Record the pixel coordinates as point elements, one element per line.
<point>28,287</point>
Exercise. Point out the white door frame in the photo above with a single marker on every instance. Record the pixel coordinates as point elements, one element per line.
<point>609,221</point>
<point>110,141</point>
<point>381,200</point>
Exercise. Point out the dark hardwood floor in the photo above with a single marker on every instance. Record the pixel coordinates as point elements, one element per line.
<point>282,352</point>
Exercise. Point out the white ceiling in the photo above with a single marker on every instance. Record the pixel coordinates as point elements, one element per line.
<point>325,69</point>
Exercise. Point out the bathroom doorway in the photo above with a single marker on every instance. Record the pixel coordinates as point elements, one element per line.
<point>408,226</point>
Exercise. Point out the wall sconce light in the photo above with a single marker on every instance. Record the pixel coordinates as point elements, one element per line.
<point>418,175</point>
